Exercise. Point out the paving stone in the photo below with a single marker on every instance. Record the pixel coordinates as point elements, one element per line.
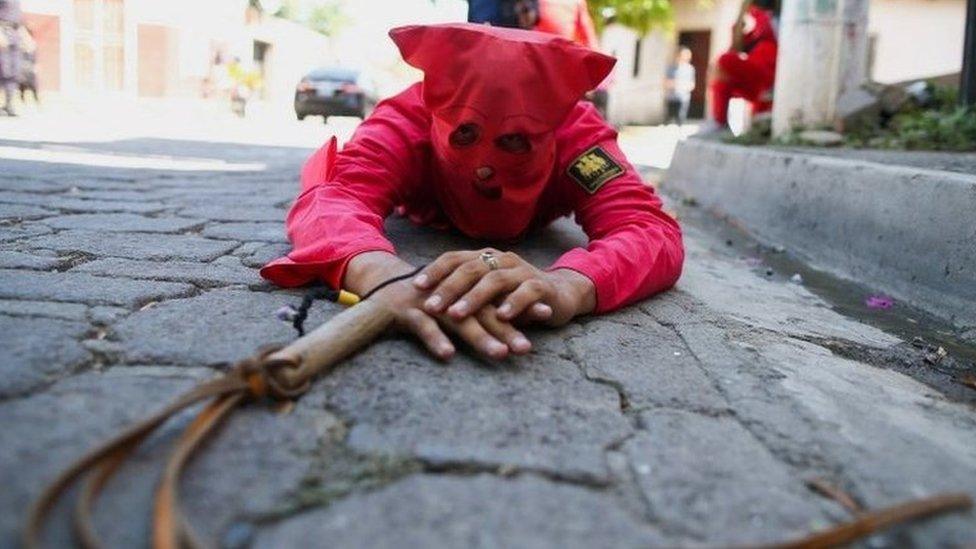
<point>32,184</point>
<point>648,362</point>
<point>98,404</point>
<point>264,254</point>
<point>237,196</point>
<point>204,274</point>
<point>110,184</point>
<point>23,211</point>
<point>67,203</point>
<point>18,232</point>
<point>79,205</point>
<point>30,198</point>
<point>135,246</point>
<point>122,223</point>
<point>36,350</point>
<point>49,309</point>
<point>106,315</point>
<point>85,288</point>
<point>124,194</point>
<point>217,326</point>
<point>217,212</point>
<point>532,413</point>
<point>481,511</point>
<point>263,232</point>
<point>18,260</point>
<point>689,466</point>
<point>233,475</point>
<point>103,348</point>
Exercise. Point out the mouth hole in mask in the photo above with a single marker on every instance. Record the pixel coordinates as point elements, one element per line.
<point>465,135</point>
<point>515,143</point>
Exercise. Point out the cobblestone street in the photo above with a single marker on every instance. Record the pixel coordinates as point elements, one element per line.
<point>696,417</point>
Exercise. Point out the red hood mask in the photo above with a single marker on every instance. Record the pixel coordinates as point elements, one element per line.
<point>497,96</point>
<point>762,30</point>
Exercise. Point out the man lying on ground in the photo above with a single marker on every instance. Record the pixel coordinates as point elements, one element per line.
<point>494,143</point>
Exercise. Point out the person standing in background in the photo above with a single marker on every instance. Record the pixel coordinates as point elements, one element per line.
<point>679,85</point>
<point>28,61</point>
<point>10,16</point>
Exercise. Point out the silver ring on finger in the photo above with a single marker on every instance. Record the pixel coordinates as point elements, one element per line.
<point>489,259</point>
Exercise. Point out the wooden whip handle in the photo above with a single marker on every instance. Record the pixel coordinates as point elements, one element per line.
<point>325,346</point>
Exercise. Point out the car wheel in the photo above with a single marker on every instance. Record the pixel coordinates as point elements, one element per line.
<point>301,116</point>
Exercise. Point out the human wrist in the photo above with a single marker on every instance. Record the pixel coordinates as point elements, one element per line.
<point>367,270</point>
<point>577,289</point>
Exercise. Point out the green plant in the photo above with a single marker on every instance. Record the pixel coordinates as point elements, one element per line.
<point>953,129</point>
<point>327,17</point>
<point>942,124</point>
<point>641,16</point>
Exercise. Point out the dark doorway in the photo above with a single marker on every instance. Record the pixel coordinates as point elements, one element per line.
<point>699,42</point>
<point>261,58</point>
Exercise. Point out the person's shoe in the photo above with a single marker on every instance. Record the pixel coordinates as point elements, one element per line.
<point>9,111</point>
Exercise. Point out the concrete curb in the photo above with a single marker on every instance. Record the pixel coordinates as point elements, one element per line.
<point>909,232</point>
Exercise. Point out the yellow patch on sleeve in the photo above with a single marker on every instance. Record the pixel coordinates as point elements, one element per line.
<point>594,168</point>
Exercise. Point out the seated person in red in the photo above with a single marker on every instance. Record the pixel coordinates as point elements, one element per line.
<point>748,69</point>
<point>495,142</point>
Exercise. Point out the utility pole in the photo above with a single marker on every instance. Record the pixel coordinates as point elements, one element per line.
<point>822,58</point>
<point>967,82</point>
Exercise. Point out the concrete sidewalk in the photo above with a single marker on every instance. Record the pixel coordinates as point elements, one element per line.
<point>903,222</point>
<point>693,418</point>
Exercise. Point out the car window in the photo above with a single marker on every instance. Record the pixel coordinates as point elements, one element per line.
<point>334,75</point>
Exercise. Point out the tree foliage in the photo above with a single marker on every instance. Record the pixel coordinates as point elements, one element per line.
<point>641,16</point>
<point>323,16</point>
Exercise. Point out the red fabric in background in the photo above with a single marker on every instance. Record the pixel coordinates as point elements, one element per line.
<point>397,161</point>
<point>569,19</point>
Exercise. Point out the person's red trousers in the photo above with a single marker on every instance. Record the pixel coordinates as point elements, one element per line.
<point>750,77</point>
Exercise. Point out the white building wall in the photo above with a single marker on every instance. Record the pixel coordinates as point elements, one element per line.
<point>916,38</point>
<point>295,50</point>
<point>636,99</point>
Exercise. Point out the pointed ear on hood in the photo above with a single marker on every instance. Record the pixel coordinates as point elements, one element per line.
<point>506,72</point>
<point>598,67</point>
<point>421,46</point>
<point>408,40</point>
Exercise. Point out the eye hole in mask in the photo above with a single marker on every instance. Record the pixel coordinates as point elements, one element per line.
<point>515,143</point>
<point>465,135</point>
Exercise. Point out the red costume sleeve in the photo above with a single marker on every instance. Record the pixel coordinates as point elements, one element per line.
<point>635,248</point>
<point>346,196</point>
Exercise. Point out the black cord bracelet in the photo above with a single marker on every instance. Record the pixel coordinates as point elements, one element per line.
<point>389,281</point>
